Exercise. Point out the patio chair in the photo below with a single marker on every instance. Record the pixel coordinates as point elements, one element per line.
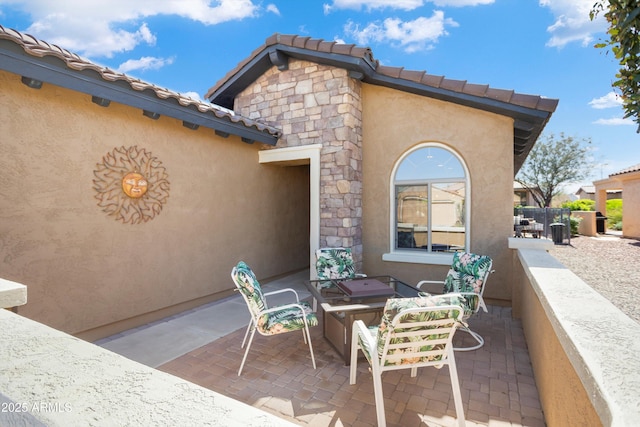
<point>335,263</point>
<point>275,320</point>
<point>413,333</point>
<point>467,277</point>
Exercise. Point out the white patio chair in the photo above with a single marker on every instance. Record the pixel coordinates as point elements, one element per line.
<point>467,277</point>
<point>275,320</point>
<point>413,333</point>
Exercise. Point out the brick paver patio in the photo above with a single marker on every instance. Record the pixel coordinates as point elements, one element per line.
<point>498,388</point>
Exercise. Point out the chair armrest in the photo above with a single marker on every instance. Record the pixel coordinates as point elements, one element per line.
<point>282,307</point>
<point>360,329</point>
<point>430,285</point>
<point>480,299</point>
<point>280,291</point>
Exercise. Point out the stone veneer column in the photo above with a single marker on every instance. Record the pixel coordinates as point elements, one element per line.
<point>317,104</point>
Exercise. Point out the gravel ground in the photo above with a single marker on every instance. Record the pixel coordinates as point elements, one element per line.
<point>609,264</point>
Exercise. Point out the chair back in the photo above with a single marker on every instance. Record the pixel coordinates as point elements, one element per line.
<point>246,282</point>
<point>335,263</point>
<point>468,274</point>
<point>417,331</point>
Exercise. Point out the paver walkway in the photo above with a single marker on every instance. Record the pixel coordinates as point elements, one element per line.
<point>496,381</point>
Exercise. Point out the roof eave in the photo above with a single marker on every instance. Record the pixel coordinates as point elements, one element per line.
<point>528,122</point>
<point>53,70</point>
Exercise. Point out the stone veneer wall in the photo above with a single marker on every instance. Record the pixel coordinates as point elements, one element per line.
<point>317,104</point>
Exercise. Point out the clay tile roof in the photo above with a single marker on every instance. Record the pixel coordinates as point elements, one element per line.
<point>432,80</point>
<point>530,112</point>
<point>503,95</point>
<point>454,85</point>
<point>475,89</point>
<point>412,75</point>
<point>300,41</point>
<point>394,72</point>
<point>634,168</point>
<point>41,49</point>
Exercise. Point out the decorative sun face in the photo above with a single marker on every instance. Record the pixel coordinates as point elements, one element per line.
<point>134,185</point>
<point>131,185</point>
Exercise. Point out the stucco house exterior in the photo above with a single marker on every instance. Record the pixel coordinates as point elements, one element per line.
<point>626,182</point>
<point>586,192</point>
<point>123,202</point>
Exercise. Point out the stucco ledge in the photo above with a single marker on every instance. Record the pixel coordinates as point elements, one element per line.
<point>49,378</point>
<point>601,342</point>
<point>12,294</point>
<point>520,243</point>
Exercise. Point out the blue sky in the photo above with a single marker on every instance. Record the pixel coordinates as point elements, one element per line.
<point>540,47</point>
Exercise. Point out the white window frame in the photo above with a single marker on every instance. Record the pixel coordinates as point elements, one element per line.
<point>417,257</point>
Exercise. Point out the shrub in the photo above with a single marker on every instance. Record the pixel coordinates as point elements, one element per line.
<point>614,214</point>
<point>580,205</point>
<point>574,222</point>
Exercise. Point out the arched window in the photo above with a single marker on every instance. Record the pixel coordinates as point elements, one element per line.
<point>429,202</point>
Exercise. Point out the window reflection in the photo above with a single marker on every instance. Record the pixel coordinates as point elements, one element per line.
<point>430,200</point>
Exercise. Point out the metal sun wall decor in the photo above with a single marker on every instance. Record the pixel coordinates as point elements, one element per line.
<point>131,185</point>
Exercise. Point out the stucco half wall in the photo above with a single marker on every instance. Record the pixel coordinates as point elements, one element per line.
<point>395,121</point>
<point>86,271</point>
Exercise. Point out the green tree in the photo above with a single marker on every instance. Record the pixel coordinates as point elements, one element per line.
<point>553,162</point>
<point>623,17</point>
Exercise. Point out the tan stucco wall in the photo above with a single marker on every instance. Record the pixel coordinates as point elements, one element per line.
<point>631,204</point>
<point>84,269</point>
<point>395,121</point>
<point>587,226</point>
<point>562,394</point>
<point>629,184</point>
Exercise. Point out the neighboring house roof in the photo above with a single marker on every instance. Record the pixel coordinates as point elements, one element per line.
<point>37,62</point>
<point>634,168</point>
<point>589,189</point>
<point>530,112</point>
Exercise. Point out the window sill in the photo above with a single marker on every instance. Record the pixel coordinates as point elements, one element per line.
<point>419,258</point>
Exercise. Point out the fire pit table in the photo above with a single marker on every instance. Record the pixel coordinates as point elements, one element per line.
<point>343,301</point>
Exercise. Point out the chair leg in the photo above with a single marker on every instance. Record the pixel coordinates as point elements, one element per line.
<point>455,386</point>
<point>353,367</point>
<point>307,335</point>
<point>246,334</point>
<point>475,336</point>
<point>244,358</point>
<point>379,398</point>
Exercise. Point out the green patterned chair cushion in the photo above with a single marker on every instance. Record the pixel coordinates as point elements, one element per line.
<point>247,283</point>
<point>287,319</point>
<point>335,263</point>
<point>392,308</point>
<point>468,273</point>
<point>275,321</point>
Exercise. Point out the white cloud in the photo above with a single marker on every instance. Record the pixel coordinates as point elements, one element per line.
<point>460,3</point>
<point>273,9</point>
<point>193,95</point>
<point>398,4</point>
<point>572,23</point>
<point>100,29</point>
<point>420,34</point>
<point>609,100</point>
<point>615,121</point>
<point>144,63</point>
<point>373,4</point>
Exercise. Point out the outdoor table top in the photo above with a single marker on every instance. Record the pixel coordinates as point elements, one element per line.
<point>332,298</point>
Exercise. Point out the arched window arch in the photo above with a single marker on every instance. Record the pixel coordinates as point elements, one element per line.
<point>429,202</point>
